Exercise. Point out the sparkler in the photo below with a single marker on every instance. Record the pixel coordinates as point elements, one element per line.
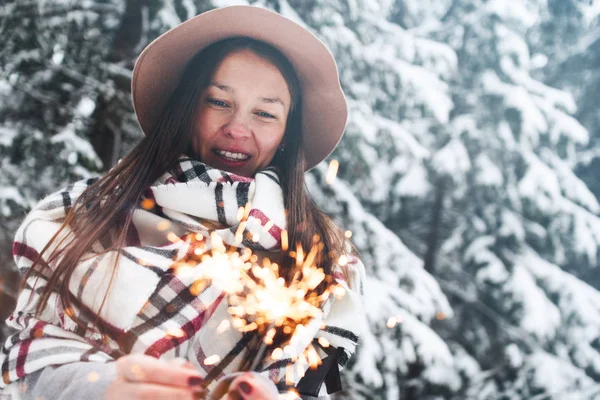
<point>260,299</point>
<point>332,171</point>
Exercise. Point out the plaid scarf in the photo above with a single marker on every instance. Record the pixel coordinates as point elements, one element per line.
<point>149,308</point>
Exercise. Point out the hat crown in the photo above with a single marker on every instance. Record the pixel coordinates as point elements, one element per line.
<point>160,66</point>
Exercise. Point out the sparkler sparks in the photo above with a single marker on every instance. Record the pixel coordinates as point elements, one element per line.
<point>93,377</point>
<point>212,360</point>
<point>261,300</point>
<point>393,321</point>
<point>276,305</point>
<point>332,171</point>
<point>147,204</point>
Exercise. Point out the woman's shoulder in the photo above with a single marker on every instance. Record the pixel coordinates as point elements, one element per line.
<point>57,204</point>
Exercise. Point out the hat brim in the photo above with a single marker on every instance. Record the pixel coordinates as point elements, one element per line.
<point>160,66</point>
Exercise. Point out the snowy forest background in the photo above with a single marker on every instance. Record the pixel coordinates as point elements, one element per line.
<point>468,173</point>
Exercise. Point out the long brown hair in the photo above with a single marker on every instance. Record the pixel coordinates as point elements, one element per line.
<point>103,211</point>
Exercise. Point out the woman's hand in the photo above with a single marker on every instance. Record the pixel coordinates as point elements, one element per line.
<point>144,377</point>
<point>245,386</point>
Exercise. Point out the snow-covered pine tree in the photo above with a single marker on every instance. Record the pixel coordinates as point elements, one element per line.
<point>528,225</point>
<point>456,177</point>
<point>61,102</point>
<point>574,67</point>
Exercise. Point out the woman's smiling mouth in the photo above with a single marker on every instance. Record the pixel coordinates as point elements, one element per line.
<point>231,156</point>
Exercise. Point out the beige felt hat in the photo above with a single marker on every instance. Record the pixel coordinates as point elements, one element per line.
<point>160,66</point>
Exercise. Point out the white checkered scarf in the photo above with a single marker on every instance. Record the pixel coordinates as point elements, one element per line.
<point>148,308</point>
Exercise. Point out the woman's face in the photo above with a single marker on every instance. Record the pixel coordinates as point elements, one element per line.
<point>242,115</point>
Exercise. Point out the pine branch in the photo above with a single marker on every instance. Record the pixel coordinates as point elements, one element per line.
<point>29,10</point>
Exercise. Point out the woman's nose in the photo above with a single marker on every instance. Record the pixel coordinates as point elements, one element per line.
<point>238,127</point>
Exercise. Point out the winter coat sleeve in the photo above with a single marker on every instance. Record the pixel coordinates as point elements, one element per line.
<point>81,380</point>
<point>53,338</point>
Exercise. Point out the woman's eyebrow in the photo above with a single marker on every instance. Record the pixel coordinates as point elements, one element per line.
<point>223,87</point>
<point>272,100</point>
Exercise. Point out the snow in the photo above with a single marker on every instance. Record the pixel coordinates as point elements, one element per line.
<point>478,253</point>
<point>58,55</point>
<point>590,10</point>
<point>10,193</point>
<point>362,117</point>
<point>7,135</point>
<point>168,15</point>
<point>225,3</point>
<point>571,186</point>
<point>538,60</point>
<point>487,173</point>
<point>567,126</point>
<point>190,8</point>
<point>74,143</point>
<point>388,257</point>
<point>580,230</point>
<point>436,57</point>
<point>512,226</point>
<point>452,159</point>
<point>288,11</point>
<point>579,304</point>
<point>464,362</point>
<point>511,47</point>
<point>518,13</point>
<point>540,185</point>
<point>533,121</point>
<point>514,355</point>
<point>539,315</point>
<point>414,183</point>
<point>426,89</point>
<point>86,107</point>
<point>560,380</point>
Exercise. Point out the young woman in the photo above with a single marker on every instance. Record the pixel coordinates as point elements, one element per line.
<point>236,104</point>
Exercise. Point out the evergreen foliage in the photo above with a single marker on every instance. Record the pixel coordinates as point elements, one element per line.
<point>467,172</point>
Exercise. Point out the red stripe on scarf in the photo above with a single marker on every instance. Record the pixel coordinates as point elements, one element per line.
<point>165,344</point>
<point>22,250</point>
<point>275,230</point>
<point>24,349</point>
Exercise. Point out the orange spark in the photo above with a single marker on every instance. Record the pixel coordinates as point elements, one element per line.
<point>93,376</point>
<point>332,171</point>
<point>147,204</point>
<point>212,360</point>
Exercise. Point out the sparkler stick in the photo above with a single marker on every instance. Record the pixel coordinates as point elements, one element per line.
<point>261,351</point>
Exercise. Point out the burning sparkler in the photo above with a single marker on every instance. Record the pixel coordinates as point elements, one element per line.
<point>260,299</point>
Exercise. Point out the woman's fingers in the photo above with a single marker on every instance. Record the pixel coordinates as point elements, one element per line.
<point>252,386</point>
<point>149,391</point>
<point>143,368</point>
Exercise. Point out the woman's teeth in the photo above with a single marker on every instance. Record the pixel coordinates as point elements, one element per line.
<point>232,156</point>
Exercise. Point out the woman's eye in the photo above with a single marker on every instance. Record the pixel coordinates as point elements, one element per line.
<point>217,102</point>
<point>265,115</point>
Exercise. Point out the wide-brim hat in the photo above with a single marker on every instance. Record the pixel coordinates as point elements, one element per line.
<point>160,67</point>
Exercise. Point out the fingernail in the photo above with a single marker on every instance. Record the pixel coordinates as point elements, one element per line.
<point>200,395</point>
<point>195,380</point>
<point>245,387</point>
